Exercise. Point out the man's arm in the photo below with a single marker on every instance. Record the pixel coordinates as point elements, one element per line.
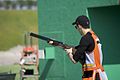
<point>79,54</point>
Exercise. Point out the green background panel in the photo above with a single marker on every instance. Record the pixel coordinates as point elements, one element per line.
<point>49,65</point>
<point>54,20</point>
<point>49,53</point>
<point>112,71</point>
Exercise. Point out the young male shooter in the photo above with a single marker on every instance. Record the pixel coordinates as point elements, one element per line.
<point>88,52</point>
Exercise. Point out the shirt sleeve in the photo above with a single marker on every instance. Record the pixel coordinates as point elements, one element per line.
<point>81,48</point>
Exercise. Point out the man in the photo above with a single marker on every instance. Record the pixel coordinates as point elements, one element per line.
<point>88,52</point>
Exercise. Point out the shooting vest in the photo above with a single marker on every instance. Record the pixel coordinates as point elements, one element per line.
<point>94,59</point>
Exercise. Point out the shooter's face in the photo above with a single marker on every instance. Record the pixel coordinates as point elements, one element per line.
<point>80,29</point>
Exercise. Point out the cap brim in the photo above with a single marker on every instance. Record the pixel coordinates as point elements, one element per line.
<point>73,23</point>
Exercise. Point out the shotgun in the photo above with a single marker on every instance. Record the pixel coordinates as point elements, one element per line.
<point>55,42</point>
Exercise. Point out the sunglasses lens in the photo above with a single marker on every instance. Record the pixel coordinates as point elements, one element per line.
<point>76,27</point>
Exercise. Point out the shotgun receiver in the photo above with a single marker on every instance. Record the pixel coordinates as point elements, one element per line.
<point>55,42</point>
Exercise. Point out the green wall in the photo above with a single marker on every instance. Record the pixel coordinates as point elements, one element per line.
<point>55,18</point>
<point>112,71</point>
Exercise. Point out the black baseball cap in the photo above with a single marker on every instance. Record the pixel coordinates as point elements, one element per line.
<point>83,21</point>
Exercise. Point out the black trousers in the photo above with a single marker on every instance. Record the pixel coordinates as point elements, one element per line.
<point>88,74</point>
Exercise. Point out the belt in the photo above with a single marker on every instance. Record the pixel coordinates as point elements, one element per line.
<point>89,67</point>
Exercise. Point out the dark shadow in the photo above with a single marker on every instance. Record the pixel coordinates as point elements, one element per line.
<point>6,76</point>
<point>46,69</point>
<point>105,21</point>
